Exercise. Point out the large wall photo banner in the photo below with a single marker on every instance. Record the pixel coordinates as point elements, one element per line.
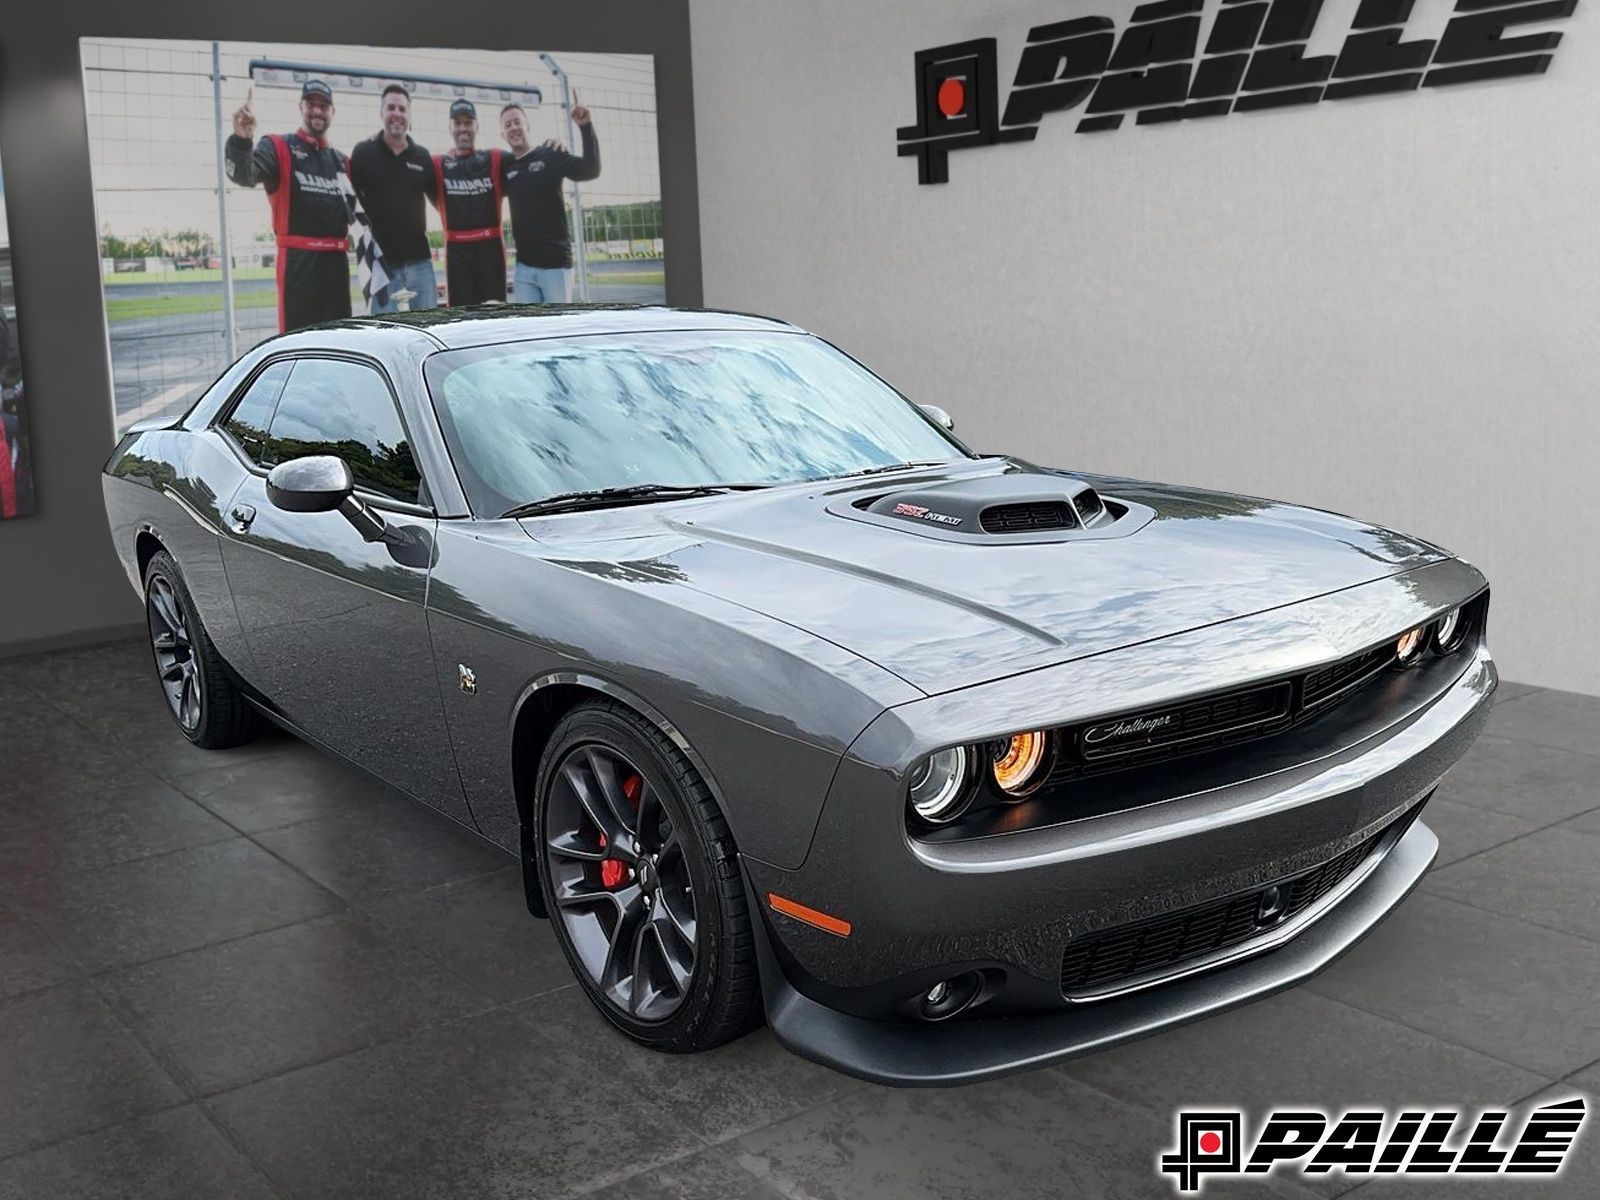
<point>16,472</point>
<point>248,189</point>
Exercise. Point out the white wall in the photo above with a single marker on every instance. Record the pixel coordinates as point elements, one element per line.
<point>1388,307</point>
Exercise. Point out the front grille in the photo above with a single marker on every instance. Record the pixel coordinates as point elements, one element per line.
<point>1099,961</point>
<point>1155,735</point>
<point>1027,518</point>
<point>1346,675</point>
<point>1187,724</point>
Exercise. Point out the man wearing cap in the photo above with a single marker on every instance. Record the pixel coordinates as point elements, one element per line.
<point>393,177</point>
<point>310,216</point>
<point>533,187</point>
<point>469,182</point>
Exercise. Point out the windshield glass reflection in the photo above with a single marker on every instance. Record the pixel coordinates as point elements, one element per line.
<point>542,418</point>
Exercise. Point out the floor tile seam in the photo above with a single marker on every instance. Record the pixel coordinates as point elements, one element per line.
<point>1541,1072</point>
<point>243,1151</point>
<point>1495,912</point>
<point>291,743</point>
<point>396,932</point>
<point>1523,816</point>
<point>715,1151</point>
<point>1516,837</point>
<point>71,872</point>
<point>1571,1075</point>
<point>118,968</point>
<point>102,1128</point>
<point>212,1098</point>
<point>316,883</point>
<point>1532,691</point>
<point>847,1088</point>
<point>169,1065</point>
<point>81,973</point>
<point>1523,740</point>
<point>510,863</point>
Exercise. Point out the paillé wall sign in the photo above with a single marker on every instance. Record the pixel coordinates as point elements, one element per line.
<point>1254,58</point>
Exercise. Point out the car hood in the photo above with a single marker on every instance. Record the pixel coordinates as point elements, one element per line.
<point>944,614</point>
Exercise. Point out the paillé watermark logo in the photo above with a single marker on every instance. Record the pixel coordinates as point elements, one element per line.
<point>1365,1142</point>
<point>1253,58</point>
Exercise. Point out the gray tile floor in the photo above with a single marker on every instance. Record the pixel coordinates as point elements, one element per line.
<point>259,973</point>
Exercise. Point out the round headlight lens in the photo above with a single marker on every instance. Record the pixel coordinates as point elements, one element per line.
<point>1409,648</point>
<point>1449,631</point>
<point>939,785</point>
<point>1017,762</point>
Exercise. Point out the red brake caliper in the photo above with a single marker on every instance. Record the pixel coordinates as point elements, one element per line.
<point>612,870</point>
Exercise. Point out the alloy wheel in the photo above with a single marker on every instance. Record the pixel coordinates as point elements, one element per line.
<point>175,653</point>
<point>621,882</point>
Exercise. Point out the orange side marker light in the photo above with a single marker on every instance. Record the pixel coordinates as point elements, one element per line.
<point>793,908</point>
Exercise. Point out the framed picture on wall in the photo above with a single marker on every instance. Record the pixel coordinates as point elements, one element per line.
<point>244,189</point>
<point>16,469</point>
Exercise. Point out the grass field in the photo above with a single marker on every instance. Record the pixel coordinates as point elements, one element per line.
<point>198,276</point>
<point>188,306</point>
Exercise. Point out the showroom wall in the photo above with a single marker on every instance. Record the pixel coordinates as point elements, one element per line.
<point>1385,306</point>
<point>59,580</point>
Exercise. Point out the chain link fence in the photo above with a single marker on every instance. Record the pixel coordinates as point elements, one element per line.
<point>158,116</point>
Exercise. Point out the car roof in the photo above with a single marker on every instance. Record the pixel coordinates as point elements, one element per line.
<point>488,324</point>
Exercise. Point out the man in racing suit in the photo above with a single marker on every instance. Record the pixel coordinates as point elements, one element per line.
<point>310,215</point>
<point>470,183</point>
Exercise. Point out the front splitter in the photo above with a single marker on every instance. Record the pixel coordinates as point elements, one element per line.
<point>910,1054</point>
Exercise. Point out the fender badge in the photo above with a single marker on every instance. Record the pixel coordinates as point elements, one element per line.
<point>469,679</point>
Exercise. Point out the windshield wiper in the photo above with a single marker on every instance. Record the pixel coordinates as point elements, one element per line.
<point>906,466</point>
<point>613,496</point>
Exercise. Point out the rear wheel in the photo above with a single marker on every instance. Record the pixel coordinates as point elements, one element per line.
<point>202,698</point>
<point>641,878</point>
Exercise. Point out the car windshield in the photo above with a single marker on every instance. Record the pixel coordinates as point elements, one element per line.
<point>529,420</point>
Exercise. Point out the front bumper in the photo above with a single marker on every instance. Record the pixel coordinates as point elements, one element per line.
<point>907,1054</point>
<point>1009,905</point>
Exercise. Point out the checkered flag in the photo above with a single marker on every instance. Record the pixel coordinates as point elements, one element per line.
<point>369,255</point>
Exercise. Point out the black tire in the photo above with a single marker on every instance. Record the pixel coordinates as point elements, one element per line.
<point>721,999</point>
<point>201,696</point>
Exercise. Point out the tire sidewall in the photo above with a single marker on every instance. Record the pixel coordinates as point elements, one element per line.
<point>601,725</point>
<point>161,565</point>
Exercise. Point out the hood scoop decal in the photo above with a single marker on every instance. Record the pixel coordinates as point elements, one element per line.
<point>1007,508</point>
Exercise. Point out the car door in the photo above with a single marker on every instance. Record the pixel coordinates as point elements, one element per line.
<point>336,624</point>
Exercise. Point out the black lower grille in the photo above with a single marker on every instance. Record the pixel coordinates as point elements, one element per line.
<point>1104,958</point>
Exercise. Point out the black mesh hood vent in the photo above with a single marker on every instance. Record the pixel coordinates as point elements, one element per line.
<point>1027,518</point>
<point>1011,508</point>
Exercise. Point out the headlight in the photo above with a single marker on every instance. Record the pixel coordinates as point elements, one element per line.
<point>939,785</point>
<point>1409,648</point>
<point>1018,762</point>
<point>1449,631</point>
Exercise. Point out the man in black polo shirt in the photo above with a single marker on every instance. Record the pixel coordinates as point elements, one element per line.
<point>533,186</point>
<point>394,178</point>
<point>469,205</point>
<point>310,218</point>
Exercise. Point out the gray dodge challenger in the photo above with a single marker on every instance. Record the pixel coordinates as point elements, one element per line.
<point>789,703</point>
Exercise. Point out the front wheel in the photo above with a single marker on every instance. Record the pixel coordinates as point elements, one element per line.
<point>641,877</point>
<point>201,696</point>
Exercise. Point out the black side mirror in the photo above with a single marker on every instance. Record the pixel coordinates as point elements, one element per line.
<point>939,416</point>
<point>323,483</point>
<point>317,483</point>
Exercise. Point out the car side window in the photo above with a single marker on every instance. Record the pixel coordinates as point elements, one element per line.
<point>332,406</point>
<point>248,422</point>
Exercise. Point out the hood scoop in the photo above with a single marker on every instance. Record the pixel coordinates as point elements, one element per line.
<point>1000,509</point>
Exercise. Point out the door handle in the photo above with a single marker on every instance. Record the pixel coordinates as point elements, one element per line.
<point>242,515</point>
